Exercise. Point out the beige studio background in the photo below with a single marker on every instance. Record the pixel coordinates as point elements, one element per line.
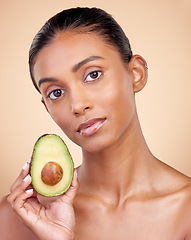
<point>158,30</point>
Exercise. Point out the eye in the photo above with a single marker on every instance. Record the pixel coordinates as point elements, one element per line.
<point>93,76</point>
<point>56,94</point>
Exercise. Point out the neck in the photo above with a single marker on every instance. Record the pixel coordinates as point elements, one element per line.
<point>119,170</point>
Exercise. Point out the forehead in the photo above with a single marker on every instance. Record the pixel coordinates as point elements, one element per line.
<point>69,48</point>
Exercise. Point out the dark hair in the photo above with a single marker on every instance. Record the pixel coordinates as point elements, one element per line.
<point>82,20</point>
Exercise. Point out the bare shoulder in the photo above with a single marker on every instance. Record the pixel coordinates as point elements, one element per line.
<point>11,226</point>
<point>185,209</point>
<point>178,184</point>
<point>182,201</point>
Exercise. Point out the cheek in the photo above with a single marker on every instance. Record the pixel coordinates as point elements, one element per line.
<point>60,116</point>
<point>121,108</point>
<point>65,121</point>
<point>117,97</point>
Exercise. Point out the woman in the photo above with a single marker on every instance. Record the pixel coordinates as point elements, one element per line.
<point>81,63</point>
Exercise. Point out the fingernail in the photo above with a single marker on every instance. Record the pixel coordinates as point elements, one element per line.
<point>26,178</point>
<point>29,191</point>
<point>25,166</point>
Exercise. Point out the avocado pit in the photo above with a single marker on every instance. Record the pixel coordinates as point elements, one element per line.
<point>51,173</point>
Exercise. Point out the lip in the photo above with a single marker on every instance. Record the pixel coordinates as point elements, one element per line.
<point>91,126</point>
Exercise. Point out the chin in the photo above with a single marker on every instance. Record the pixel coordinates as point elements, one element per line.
<point>97,144</point>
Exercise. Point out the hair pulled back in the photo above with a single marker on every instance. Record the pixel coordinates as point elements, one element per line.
<point>82,20</point>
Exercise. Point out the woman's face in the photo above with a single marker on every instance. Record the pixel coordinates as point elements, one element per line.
<point>86,88</point>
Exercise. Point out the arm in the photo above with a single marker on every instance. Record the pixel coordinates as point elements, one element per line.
<point>56,221</point>
<point>11,224</point>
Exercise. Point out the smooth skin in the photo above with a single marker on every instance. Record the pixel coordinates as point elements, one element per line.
<point>125,192</point>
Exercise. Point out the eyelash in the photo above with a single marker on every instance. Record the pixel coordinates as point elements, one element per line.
<point>98,75</point>
<point>59,91</point>
<point>94,75</point>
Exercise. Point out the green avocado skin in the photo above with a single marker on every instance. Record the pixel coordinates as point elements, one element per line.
<point>50,147</point>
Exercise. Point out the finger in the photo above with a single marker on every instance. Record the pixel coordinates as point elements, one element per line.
<point>34,191</point>
<point>19,204</point>
<point>28,208</point>
<point>72,191</point>
<point>22,175</point>
<point>21,200</point>
<point>19,189</point>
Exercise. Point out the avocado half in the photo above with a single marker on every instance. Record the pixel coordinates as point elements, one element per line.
<point>51,166</point>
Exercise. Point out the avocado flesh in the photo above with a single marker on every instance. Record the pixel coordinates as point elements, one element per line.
<point>51,148</point>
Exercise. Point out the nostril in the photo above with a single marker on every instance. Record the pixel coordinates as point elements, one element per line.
<point>81,112</point>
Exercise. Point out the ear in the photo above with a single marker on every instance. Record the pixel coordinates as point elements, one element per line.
<point>139,71</point>
<point>42,101</point>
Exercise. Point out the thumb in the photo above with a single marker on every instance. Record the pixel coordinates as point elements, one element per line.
<point>72,191</point>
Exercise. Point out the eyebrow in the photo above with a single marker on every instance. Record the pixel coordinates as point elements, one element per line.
<point>74,69</point>
<point>44,80</point>
<point>80,64</point>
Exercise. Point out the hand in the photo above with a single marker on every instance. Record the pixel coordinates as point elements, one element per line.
<point>56,220</point>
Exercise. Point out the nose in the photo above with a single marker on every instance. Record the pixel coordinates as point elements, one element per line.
<point>80,101</point>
